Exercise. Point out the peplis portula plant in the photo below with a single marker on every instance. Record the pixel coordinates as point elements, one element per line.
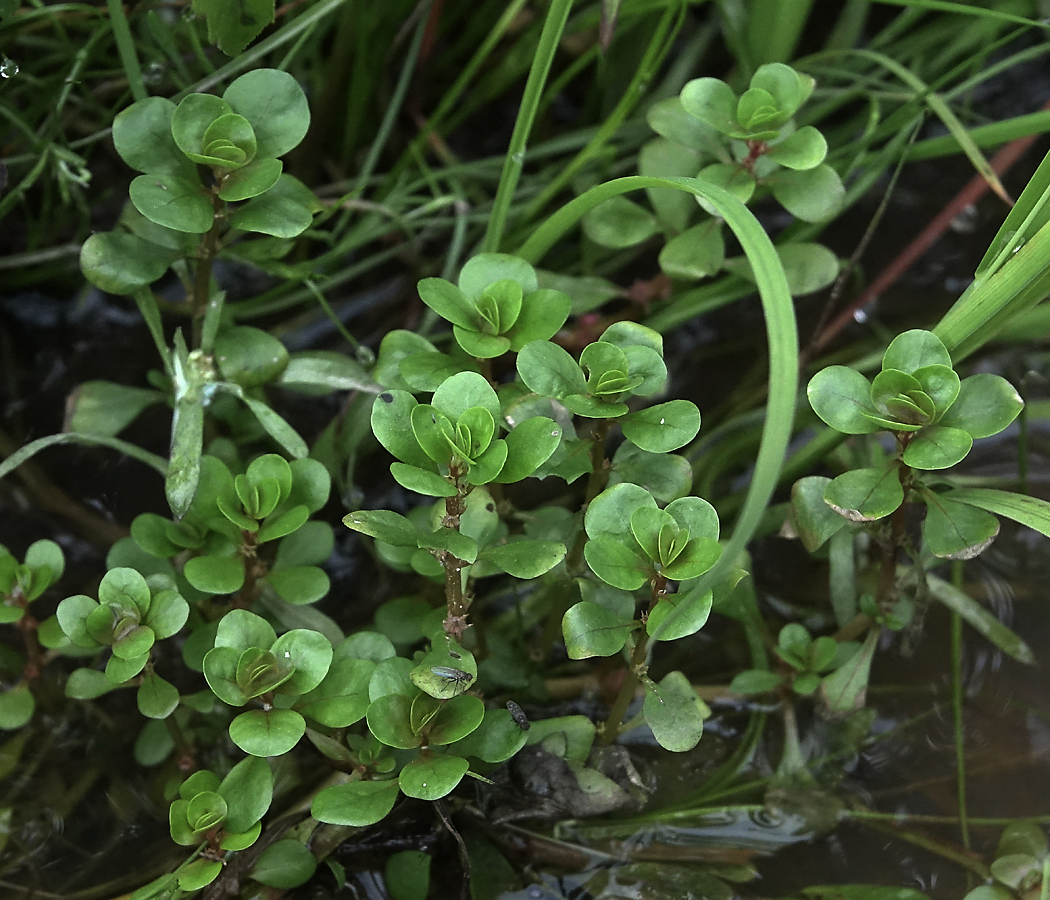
<point>934,418</point>
<point>747,144</point>
<point>174,213</point>
<point>20,584</point>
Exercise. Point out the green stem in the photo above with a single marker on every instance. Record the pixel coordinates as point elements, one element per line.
<point>611,727</point>
<point>457,603</point>
<point>553,27</point>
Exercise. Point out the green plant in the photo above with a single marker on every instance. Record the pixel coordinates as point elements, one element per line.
<point>934,418</point>
<point>749,145</point>
<point>21,584</point>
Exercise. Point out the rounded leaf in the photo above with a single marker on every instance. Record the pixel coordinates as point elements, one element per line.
<point>805,149</point>
<point>358,803</point>
<point>191,119</point>
<point>156,697</point>
<point>618,223</point>
<point>248,792</point>
<point>914,350</point>
<point>433,778</point>
<point>616,564</point>
<point>267,732</point>
<point>284,864</point>
<point>311,655</point>
<point>813,195</point>
<point>985,405</point>
<point>592,630</point>
<point>664,427</point>
<point>674,712</point>
<point>173,202</point>
<point>864,495</point>
<point>299,584</point>
<point>712,102</point>
<point>275,105</point>
<point>123,263</point>
<point>955,530</point>
<point>250,180</point>
<point>215,574</point>
<point>456,719</point>
<point>937,447</point>
<point>842,398</point>
<point>142,136</point>
<point>698,252</point>
<point>249,356</point>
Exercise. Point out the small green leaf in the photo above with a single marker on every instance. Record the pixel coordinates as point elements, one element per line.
<point>679,615</point>
<point>407,875</point>
<point>495,740</point>
<point>249,356</point>
<point>805,149</point>
<point>698,252</point>
<point>198,874</point>
<point>299,584</point>
<point>278,212</point>
<point>267,732</point>
<point>284,864</point>
<point>389,718</point>
<point>122,263</point>
<point>464,391</point>
<point>616,564</point>
<point>954,530</point>
<point>844,690</point>
<point>813,195</point>
<point>814,521</point>
<point>485,269</point>
<point>549,370</point>
<point>664,427</point>
<point>529,446</point>
<point>242,630</point>
<point>617,223</point>
<point>215,574</point>
<point>937,447</point>
<point>674,712</point>
<point>755,681</point>
<point>250,180</point>
<point>543,312</point>
<point>525,558</point>
<point>449,302</point>
<point>358,803</point>
<point>275,105</point>
<point>712,102</point>
<point>341,699</point>
<point>248,792</point>
<point>16,707</point>
<point>864,495</point>
<point>156,697</point>
<point>456,719</point>
<point>592,630</point>
<point>101,407</point>
<point>842,398</point>
<point>142,137</point>
<point>666,476</point>
<point>433,778</point>
<point>986,404</point>
<point>87,684</point>
<point>914,350</point>
<point>392,426</point>
<point>173,202</point>
<point>384,525</point>
<point>309,652</point>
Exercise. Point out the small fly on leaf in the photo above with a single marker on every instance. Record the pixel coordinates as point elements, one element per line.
<point>456,677</point>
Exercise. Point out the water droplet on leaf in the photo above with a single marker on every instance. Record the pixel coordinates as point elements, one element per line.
<point>8,68</point>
